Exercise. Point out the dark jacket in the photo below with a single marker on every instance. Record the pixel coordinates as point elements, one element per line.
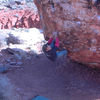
<point>51,54</point>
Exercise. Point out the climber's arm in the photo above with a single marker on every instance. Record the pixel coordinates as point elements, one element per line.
<point>49,41</point>
<point>57,42</point>
<point>56,47</point>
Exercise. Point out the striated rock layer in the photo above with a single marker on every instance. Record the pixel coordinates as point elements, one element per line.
<point>19,18</point>
<point>78,28</point>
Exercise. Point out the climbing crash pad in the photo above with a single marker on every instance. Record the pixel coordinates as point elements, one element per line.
<point>40,98</point>
<point>3,69</point>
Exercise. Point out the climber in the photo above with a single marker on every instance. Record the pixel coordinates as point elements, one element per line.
<point>51,49</point>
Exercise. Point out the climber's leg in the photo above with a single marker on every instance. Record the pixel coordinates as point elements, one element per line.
<point>61,53</point>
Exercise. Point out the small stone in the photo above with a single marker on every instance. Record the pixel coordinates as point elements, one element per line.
<point>18,89</point>
<point>10,51</point>
<point>8,60</point>
<point>12,63</point>
<point>18,56</point>
<point>22,68</point>
<point>0,55</point>
<point>19,63</point>
<point>16,66</point>
<point>28,58</point>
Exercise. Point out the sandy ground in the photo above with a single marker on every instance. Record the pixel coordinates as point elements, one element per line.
<point>54,80</point>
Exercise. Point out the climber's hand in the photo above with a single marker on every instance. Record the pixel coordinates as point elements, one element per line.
<point>55,34</point>
<point>51,36</point>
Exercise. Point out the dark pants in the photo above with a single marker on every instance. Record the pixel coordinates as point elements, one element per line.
<point>59,53</point>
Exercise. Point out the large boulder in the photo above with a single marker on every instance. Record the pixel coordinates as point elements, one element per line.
<point>78,27</point>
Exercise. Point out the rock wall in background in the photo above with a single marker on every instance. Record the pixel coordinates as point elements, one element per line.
<point>26,18</point>
<point>18,14</point>
<point>78,27</point>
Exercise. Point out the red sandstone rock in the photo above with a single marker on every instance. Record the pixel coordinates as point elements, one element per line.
<point>26,18</point>
<point>78,27</point>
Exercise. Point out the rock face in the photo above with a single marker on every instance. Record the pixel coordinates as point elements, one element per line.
<point>78,27</point>
<point>18,14</point>
<point>25,18</point>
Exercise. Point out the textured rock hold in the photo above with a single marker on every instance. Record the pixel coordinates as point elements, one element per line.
<point>78,27</point>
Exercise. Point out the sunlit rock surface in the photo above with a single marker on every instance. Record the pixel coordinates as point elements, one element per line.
<point>18,14</point>
<point>78,27</point>
<point>17,45</point>
<point>22,40</point>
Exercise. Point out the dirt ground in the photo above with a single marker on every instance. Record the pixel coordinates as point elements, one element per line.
<point>54,80</point>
